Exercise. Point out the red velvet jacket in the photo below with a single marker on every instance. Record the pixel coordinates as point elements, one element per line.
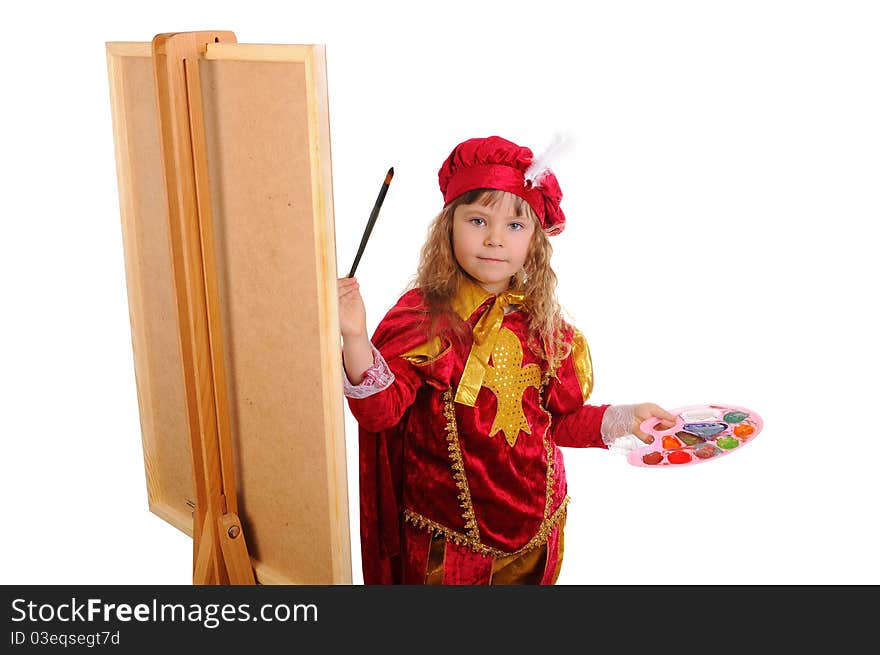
<point>489,476</point>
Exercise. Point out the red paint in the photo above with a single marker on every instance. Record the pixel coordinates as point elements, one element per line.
<point>652,458</point>
<point>679,457</point>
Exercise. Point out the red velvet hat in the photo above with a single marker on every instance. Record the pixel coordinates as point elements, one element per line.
<point>496,163</point>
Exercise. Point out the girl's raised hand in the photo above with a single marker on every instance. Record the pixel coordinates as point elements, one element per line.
<point>645,411</point>
<point>352,314</point>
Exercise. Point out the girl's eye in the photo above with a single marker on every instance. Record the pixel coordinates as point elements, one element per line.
<point>517,226</point>
<point>476,220</point>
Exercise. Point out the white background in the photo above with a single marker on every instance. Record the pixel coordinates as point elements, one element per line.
<point>721,194</point>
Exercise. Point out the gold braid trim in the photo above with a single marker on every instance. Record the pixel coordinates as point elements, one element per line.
<point>458,474</point>
<point>549,448</point>
<point>539,539</point>
<point>547,443</point>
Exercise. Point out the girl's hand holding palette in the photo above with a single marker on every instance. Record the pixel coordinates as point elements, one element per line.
<point>701,433</point>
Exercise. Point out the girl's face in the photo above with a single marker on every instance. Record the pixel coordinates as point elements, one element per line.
<point>491,242</point>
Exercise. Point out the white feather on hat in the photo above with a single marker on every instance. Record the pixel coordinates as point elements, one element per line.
<point>542,163</point>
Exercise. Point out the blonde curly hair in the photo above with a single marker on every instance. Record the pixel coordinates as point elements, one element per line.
<point>439,276</point>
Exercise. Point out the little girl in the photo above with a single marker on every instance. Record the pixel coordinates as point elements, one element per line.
<point>470,385</point>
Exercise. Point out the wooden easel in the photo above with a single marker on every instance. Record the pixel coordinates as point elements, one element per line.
<point>220,554</point>
<point>226,204</point>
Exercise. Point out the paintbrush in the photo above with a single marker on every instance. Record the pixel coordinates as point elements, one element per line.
<point>372,220</point>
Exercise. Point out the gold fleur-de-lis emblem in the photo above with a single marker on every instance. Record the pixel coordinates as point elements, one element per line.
<point>508,379</point>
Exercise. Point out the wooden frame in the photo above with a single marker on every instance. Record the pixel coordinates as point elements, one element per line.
<point>225,186</point>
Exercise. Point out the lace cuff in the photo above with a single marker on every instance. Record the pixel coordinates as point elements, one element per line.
<point>376,378</point>
<point>617,425</point>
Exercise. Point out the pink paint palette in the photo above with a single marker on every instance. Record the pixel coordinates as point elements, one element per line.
<point>701,433</point>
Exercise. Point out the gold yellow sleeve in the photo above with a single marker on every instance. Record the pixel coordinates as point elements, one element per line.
<point>583,364</point>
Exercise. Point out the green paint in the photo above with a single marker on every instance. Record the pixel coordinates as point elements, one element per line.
<point>728,443</point>
<point>735,417</point>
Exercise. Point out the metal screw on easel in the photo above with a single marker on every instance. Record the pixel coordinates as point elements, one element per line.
<point>233,532</point>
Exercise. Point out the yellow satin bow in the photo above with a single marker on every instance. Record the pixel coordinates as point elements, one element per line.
<point>485,335</point>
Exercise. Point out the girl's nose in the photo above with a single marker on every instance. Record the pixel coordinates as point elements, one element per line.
<point>493,238</point>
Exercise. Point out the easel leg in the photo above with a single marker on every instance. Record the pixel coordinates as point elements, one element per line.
<point>206,570</point>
